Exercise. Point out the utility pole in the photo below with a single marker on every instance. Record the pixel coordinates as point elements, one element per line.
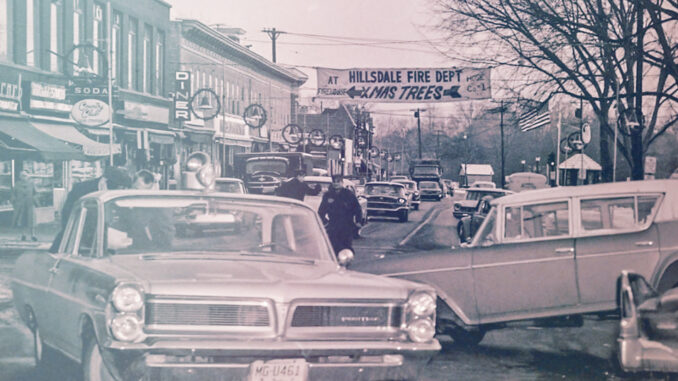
<point>637,167</point>
<point>501,129</point>
<point>273,34</point>
<point>417,114</point>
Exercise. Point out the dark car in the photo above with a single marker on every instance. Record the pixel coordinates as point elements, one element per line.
<point>412,192</point>
<point>468,225</point>
<point>469,205</point>
<point>431,190</point>
<point>387,199</point>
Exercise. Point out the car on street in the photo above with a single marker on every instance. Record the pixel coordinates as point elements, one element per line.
<point>521,181</point>
<point>449,185</point>
<point>483,184</point>
<point>468,225</point>
<point>550,255</point>
<point>412,192</point>
<point>258,292</point>
<point>431,190</point>
<point>386,199</point>
<point>229,185</point>
<point>648,327</point>
<point>324,182</point>
<point>469,204</point>
<point>399,177</point>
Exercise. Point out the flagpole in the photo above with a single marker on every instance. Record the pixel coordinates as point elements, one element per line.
<point>560,117</point>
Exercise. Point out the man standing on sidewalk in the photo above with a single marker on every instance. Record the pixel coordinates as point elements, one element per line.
<point>340,212</point>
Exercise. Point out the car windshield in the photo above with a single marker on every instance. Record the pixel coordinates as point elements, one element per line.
<point>383,189</point>
<point>410,185</point>
<point>425,170</point>
<point>266,165</point>
<point>429,185</point>
<point>229,187</point>
<point>477,195</point>
<point>144,224</point>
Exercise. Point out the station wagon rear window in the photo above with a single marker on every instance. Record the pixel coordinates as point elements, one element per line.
<point>617,213</point>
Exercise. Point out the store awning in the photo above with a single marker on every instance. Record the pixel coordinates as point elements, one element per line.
<point>46,146</point>
<point>70,134</point>
<point>579,161</point>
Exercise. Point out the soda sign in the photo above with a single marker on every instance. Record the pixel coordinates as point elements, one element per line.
<point>90,112</point>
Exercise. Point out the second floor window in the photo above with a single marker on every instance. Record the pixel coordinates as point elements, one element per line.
<point>30,32</point>
<point>98,35</point>
<point>54,32</point>
<point>131,54</point>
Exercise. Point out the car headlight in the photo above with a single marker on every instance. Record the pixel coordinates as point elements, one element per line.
<point>422,304</point>
<point>126,327</point>
<point>127,298</point>
<point>421,330</point>
<point>401,200</point>
<point>457,206</point>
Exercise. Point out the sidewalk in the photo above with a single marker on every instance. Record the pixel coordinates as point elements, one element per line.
<point>10,238</point>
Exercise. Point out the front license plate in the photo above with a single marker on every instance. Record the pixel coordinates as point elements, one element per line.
<point>279,370</point>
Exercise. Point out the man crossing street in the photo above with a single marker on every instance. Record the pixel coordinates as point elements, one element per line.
<point>340,211</point>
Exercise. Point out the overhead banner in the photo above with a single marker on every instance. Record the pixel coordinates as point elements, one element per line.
<point>404,85</point>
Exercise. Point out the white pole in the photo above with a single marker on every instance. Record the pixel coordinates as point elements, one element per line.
<point>109,54</point>
<point>616,128</point>
<point>560,118</point>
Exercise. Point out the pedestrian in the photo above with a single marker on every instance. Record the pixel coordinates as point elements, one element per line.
<point>112,178</point>
<point>24,202</point>
<point>340,212</point>
<point>296,187</point>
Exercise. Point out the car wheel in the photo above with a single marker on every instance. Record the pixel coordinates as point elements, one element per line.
<point>93,367</point>
<point>465,337</point>
<point>403,216</point>
<point>416,206</point>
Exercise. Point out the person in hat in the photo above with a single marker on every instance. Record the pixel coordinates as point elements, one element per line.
<point>340,212</point>
<point>112,178</point>
<point>296,187</point>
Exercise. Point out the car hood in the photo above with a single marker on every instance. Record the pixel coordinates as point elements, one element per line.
<point>262,277</point>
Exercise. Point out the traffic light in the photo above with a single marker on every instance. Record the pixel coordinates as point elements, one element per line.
<point>416,114</point>
<point>552,160</point>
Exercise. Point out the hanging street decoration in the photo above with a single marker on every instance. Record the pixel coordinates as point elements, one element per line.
<point>292,134</point>
<point>254,115</point>
<point>204,104</point>
<point>374,151</point>
<point>337,142</point>
<point>419,85</point>
<point>317,137</point>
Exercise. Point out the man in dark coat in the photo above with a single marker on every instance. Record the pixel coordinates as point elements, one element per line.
<point>113,178</point>
<point>340,211</point>
<point>296,187</point>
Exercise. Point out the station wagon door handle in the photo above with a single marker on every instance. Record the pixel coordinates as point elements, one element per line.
<point>53,270</point>
<point>644,243</point>
<point>565,250</point>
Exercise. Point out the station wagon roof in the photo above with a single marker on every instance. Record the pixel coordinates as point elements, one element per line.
<point>644,186</point>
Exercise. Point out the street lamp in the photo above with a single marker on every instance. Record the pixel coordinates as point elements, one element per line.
<point>522,162</point>
<point>537,160</point>
<point>465,180</point>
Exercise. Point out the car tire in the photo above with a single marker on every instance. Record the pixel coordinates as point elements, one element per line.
<point>403,217</point>
<point>416,206</point>
<point>466,338</point>
<point>93,366</point>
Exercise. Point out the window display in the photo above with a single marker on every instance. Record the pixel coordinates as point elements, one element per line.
<point>43,175</point>
<point>5,185</point>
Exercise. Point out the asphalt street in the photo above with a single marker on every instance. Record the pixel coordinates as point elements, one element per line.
<point>522,353</point>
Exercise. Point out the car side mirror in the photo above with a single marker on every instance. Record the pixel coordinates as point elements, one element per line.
<point>345,257</point>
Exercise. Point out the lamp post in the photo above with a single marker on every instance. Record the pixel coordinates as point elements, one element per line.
<point>465,180</point>
<point>522,162</point>
<point>417,114</point>
<point>537,161</point>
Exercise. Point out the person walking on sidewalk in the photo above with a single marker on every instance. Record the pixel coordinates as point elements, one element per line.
<point>340,212</point>
<point>24,201</point>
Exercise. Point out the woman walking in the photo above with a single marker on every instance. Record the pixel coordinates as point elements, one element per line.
<point>23,200</point>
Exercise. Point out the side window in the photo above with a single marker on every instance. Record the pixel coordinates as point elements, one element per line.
<point>73,232</point>
<point>591,215</point>
<point>513,221</point>
<point>617,213</point>
<point>646,207</point>
<point>622,213</point>
<point>88,239</point>
<point>546,220</point>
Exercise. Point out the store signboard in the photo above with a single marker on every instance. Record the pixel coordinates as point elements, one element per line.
<point>182,95</point>
<point>90,112</point>
<point>10,91</point>
<point>46,97</point>
<point>145,112</point>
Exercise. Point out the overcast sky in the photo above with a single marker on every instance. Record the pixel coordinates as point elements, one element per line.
<point>348,33</point>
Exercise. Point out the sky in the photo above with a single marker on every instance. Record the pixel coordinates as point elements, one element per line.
<point>346,33</point>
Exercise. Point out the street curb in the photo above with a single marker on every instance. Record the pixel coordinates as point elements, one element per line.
<point>430,215</point>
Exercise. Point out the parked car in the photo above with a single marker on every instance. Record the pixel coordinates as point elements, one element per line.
<point>387,199</point>
<point>549,254</point>
<point>412,192</point>
<point>325,182</point>
<point>128,298</point>
<point>648,328</point>
<point>229,185</point>
<point>468,225</point>
<point>522,181</point>
<point>431,190</point>
<point>469,205</point>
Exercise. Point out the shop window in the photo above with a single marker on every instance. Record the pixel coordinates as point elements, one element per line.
<point>5,184</point>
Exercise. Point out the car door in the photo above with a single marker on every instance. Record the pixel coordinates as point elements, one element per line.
<point>615,233</point>
<point>68,303</point>
<point>528,269</point>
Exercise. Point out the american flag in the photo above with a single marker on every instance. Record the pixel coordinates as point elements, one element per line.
<point>535,118</point>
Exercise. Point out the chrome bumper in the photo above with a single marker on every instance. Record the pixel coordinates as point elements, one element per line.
<point>643,355</point>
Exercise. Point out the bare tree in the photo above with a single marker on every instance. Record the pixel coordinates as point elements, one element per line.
<point>594,50</point>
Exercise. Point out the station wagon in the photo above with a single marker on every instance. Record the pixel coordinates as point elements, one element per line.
<point>551,254</point>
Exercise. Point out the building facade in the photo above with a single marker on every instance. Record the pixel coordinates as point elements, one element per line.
<point>239,78</point>
<point>44,46</point>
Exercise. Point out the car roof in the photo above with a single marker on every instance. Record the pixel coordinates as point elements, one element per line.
<point>385,183</point>
<point>226,179</point>
<point>403,181</point>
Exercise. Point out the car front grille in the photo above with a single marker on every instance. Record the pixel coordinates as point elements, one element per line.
<point>346,316</point>
<point>198,313</point>
<point>382,205</point>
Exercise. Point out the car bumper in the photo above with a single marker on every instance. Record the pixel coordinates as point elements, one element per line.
<point>188,360</point>
<point>639,354</point>
<point>385,212</point>
<point>431,196</point>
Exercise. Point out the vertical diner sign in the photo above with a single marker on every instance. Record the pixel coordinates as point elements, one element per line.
<point>182,95</point>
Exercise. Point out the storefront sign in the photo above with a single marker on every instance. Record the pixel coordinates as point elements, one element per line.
<point>46,97</point>
<point>10,91</point>
<point>90,112</point>
<point>182,96</point>
<point>89,90</point>
<point>404,85</point>
<point>145,112</point>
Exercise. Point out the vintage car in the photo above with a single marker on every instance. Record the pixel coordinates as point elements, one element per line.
<point>229,185</point>
<point>386,199</point>
<point>522,181</point>
<point>468,225</point>
<point>648,328</point>
<point>550,255</point>
<point>431,190</point>
<point>128,298</point>
<point>450,186</point>
<point>324,182</point>
<point>469,204</point>
<point>412,192</point>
